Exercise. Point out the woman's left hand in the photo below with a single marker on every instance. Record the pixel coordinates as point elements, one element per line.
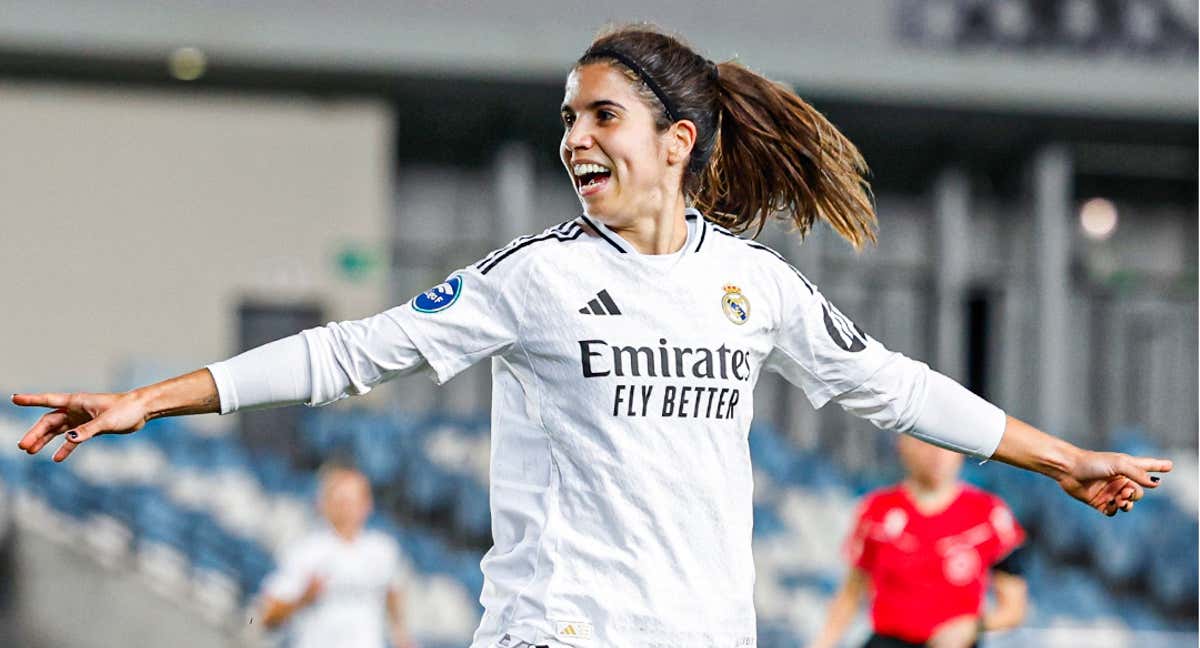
<point>1111,481</point>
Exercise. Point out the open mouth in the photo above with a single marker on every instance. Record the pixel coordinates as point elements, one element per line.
<point>590,178</point>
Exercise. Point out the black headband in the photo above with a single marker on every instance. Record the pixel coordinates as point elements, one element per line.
<point>637,69</point>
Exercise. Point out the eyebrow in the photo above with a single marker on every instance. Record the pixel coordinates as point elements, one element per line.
<point>599,103</point>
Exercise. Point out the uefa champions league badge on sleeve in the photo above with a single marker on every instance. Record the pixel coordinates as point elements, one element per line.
<point>440,297</point>
<point>735,305</point>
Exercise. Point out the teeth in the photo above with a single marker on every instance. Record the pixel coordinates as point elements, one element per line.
<point>581,169</point>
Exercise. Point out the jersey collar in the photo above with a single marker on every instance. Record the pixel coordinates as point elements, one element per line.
<point>697,232</point>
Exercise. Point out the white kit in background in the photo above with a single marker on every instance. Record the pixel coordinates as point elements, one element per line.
<point>357,575</point>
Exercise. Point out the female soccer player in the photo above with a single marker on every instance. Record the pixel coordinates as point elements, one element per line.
<point>924,550</point>
<point>340,585</point>
<point>625,344</point>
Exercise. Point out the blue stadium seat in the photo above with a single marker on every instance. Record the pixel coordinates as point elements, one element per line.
<point>1119,552</point>
<point>427,485</point>
<point>812,471</point>
<point>472,510</point>
<point>1024,492</point>
<point>272,472</point>
<point>466,570</point>
<point>775,635</point>
<point>427,553</point>
<point>14,470</point>
<point>767,521</point>
<point>1172,573</point>
<point>253,563</point>
<point>823,582</point>
<point>159,520</point>
<point>61,487</point>
<point>770,453</point>
<point>379,451</point>
<point>1066,526</point>
<point>212,547</point>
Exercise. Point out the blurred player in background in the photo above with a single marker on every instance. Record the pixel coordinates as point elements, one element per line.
<point>340,586</point>
<point>922,551</point>
<point>626,343</point>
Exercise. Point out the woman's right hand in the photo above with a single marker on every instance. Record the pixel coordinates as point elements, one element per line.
<point>80,416</point>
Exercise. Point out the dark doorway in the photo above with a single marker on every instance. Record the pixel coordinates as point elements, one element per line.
<point>259,323</point>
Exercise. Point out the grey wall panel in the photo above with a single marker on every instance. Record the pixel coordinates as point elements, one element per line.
<point>851,48</point>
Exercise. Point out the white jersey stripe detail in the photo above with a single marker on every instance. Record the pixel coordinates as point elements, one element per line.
<point>521,239</point>
<point>487,265</point>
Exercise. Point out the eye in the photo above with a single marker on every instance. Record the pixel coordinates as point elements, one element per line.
<point>605,115</point>
<point>568,119</point>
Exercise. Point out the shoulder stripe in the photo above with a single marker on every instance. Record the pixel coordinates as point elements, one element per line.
<point>759,246</point>
<point>566,225</point>
<point>570,234</point>
<point>602,235</point>
<point>703,230</point>
<point>519,241</point>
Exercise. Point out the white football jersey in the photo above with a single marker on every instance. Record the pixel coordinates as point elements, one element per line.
<point>351,610</point>
<point>621,489</point>
<point>621,401</point>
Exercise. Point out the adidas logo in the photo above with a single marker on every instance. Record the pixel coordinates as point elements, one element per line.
<point>601,304</point>
<point>579,630</point>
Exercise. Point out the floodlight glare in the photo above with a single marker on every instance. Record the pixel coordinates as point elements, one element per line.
<point>187,63</point>
<point>1098,218</point>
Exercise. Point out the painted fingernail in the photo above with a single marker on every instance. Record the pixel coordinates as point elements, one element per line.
<point>1155,479</point>
<point>73,434</point>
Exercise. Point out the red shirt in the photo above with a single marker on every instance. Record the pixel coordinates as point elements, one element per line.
<point>927,569</point>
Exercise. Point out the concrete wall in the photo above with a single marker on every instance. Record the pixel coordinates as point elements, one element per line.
<point>851,48</point>
<point>132,222</point>
<point>64,597</point>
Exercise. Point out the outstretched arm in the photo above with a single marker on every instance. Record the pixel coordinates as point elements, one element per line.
<point>82,416</point>
<point>828,356</point>
<point>909,397</point>
<point>317,366</point>
<point>1106,481</point>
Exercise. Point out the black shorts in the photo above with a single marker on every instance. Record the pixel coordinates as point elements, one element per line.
<point>880,641</point>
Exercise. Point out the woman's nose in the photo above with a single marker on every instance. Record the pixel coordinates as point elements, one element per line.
<point>578,137</point>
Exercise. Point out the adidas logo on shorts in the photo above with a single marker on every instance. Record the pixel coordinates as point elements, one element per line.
<point>580,630</point>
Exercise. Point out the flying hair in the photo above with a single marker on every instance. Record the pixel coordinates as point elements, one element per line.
<point>760,151</point>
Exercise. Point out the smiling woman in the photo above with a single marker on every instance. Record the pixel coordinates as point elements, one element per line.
<point>625,346</point>
<point>644,109</point>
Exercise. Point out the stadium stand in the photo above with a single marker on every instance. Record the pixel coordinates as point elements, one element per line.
<point>201,518</point>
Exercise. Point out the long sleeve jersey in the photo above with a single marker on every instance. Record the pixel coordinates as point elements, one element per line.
<point>621,484</point>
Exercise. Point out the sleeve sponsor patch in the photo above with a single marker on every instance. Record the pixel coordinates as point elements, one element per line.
<point>440,297</point>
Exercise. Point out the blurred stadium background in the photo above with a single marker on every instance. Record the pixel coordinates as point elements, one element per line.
<point>181,181</point>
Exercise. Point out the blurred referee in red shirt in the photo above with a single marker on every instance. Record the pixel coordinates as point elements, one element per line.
<point>925,549</point>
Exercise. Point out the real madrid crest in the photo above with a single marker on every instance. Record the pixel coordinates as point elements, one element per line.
<point>735,305</point>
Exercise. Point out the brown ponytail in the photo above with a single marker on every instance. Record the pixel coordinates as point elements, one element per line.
<point>775,153</point>
<point>760,150</point>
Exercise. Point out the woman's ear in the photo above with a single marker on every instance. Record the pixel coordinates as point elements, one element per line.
<point>681,137</point>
